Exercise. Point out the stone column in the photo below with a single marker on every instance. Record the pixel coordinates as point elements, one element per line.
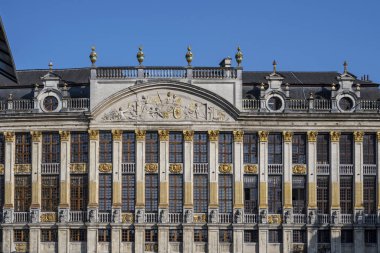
<point>139,170</point>
<point>288,206</point>
<point>116,171</point>
<point>263,240</point>
<point>36,171</point>
<point>64,204</point>
<point>34,238</point>
<point>213,239</point>
<point>116,238</point>
<point>64,239</point>
<point>312,171</point>
<point>312,239</point>
<point>358,172</point>
<point>188,170</point>
<point>9,175</point>
<point>163,239</point>
<point>188,238</point>
<point>334,173</point>
<point>139,237</point>
<point>335,239</point>
<point>287,235</point>
<point>238,238</point>
<point>92,239</point>
<point>359,245</point>
<point>238,173</point>
<point>7,238</point>
<point>164,170</point>
<point>213,136</point>
<point>93,175</point>
<point>263,171</point>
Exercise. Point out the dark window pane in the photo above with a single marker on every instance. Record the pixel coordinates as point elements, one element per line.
<point>275,148</point>
<point>129,145</point>
<point>250,148</point>
<point>79,147</point>
<point>299,149</point>
<point>51,147</point>
<point>105,147</point>
<point>200,148</point>
<point>151,147</point>
<point>151,193</point>
<point>225,193</point>
<point>323,194</point>
<point>250,194</point>
<point>105,192</point>
<point>275,194</point>
<point>225,148</point>
<point>323,149</point>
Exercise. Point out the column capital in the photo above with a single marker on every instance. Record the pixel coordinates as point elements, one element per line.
<point>334,136</point>
<point>117,134</point>
<point>65,135</point>
<point>36,136</point>
<point>288,136</point>
<point>140,134</point>
<point>163,135</point>
<point>263,136</point>
<point>188,135</point>
<point>312,136</point>
<point>238,135</point>
<point>9,136</point>
<point>358,136</point>
<point>93,134</point>
<point>213,135</point>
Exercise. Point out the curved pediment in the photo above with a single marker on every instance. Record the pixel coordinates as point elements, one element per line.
<point>164,102</point>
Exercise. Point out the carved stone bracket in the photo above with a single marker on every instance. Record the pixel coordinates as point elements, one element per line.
<point>288,136</point>
<point>36,136</point>
<point>334,136</point>
<point>163,135</point>
<point>358,136</point>
<point>9,136</point>
<point>117,135</point>
<point>93,134</point>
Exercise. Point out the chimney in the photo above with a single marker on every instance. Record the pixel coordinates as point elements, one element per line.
<point>225,63</point>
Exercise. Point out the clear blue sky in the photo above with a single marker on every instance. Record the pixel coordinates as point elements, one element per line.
<point>302,35</point>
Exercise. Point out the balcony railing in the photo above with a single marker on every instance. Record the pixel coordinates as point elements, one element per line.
<point>370,218</point>
<point>275,168</point>
<point>200,168</point>
<point>346,169</point>
<point>370,169</point>
<point>175,217</point>
<point>25,105</point>
<point>170,72</point>
<point>250,218</point>
<point>151,217</point>
<point>78,216</point>
<point>322,104</point>
<point>22,104</point>
<point>298,104</point>
<point>78,103</point>
<point>323,169</point>
<point>50,168</point>
<point>346,218</point>
<point>299,218</point>
<point>127,168</point>
<point>323,218</point>
<point>225,218</point>
<point>21,217</point>
<point>369,105</point>
<point>104,217</point>
<point>251,104</point>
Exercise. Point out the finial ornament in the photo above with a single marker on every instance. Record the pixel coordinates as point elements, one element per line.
<point>345,65</point>
<point>140,56</point>
<point>50,66</point>
<point>93,56</point>
<point>333,86</point>
<point>274,66</point>
<point>239,56</point>
<point>189,56</point>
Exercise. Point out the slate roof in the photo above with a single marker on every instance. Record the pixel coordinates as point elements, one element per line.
<point>7,68</point>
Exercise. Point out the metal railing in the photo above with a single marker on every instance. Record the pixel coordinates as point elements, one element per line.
<point>21,217</point>
<point>275,169</point>
<point>369,105</point>
<point>175,217</point>
<point>200,168</point>
<point>323,169</point>
<point>50,168</point>
<point>78,216</point>
<point>128,168</point>
<point>346,169</point>
<point>370,169</point>
<point>151,218</point>
<point>225,218</point>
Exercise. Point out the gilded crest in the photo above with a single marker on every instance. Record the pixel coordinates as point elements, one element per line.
<point>140,134</point>
<point>151,167</point>
<point>274,219</point>
<point>1,168</point>
<point>238,135</point>
<point>213,135</point>
<point>200,218</point>
<point>127,218</point>
<point>334,136</point>
<point>188,135</point>
<point>164,135</point>
<point>225,168</point>
<point>288,136</point>
<point>312,136</point>
<point>117,134</point>
<point>151,247</point>
<point>299,169</point>
<point>250,168</point>
<point>175,168</point>
<point>21,247</point>
<point>23,168</point>
<point>93,134</point>
<point>78,167</point>
<point>358,136</point>
<point>263,136</point>
<point>105,167</point>
<point>48,217</point>
<point>9,136</point>
<point>36,136</point>
<point>65,135</point>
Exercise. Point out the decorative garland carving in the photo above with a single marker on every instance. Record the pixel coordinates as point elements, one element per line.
<point>36,136</point>
<point>65,135</point>
<point>238,135</point>
<point>274,219</point>
<point>140,135</point>
<point>200,218</point>
<point>93,134</point>
<point>164,135</point>
<point>117,134</point>
<point>251,168</point>
<point>312,136</point>
<point>358,136</point>
<point>188,135</point>
<point>9,136</point>
<point>213,135</point>
<point>225,168</point>
<point>263,136</point>
<point>48,217</point>
<point>175,168</point>
<point>78,167</point>
<point>105,167</point>
<point>288,136</point>
<point>23,168</point>
<point>334,136</point>
<point>127,218</point>
<point>151,168</point>
<point>21,247</point>
<point>299,169</point>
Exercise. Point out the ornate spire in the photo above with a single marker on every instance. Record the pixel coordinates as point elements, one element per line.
<point>239,56</point>
<point>345,65</point>
<point>93,56</point>
<point>140,56</point>
<point>50,66</point>
<point>274,66</point>
<point>189,56</point>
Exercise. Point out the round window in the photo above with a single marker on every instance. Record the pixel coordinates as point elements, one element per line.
<point>346,104</point>
<point>275,103</point>
<point>50,103</point>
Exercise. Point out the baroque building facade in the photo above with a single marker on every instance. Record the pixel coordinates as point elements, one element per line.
<point>187,159</point>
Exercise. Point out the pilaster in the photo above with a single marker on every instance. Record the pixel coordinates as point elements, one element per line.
<point>36,169</point>
<point>312,239</point>
<point>213,165</point>
<point>188,238</point>
<point>287,137</point>
<point>378,172</point>
<point>287,235</point>
<point>93,169</point>
<point>63,239</point>
<point>139,169</point>
<point>164,169</point>
<point>8,170</point>
<point>238,150</point>
<point>116,168</point>
<point>139,238</point>
<point>163,239</point>
<point>263,239</point>
<point>263,171</point>
<point>116,238</point>
<point>7,239</point>
<point>336,245</point>
<point>238,238</point>
<point>359,245</point>
<point>358,171</point>
<point>34,239</point>
<point>92,239</point>
<point>188,169</point>
<point>213,239</point>
<point>65,170</point>
<point>334,171</point>
<point>312,170</point>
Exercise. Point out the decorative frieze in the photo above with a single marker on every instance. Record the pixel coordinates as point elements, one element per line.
<point>117,135</point>
<point>263,136</point>
<point>288,136</point>
<point>334,136</point>
<point>175,168</point>
<point>299,169</point>
<point>225,168</point>
<point>48,217</point>
<point>93,135</point>
<point>65,135</point>
<point>200,218</point>
<point>36,136</point>
<point>358,136</point>
<point>151,168</point>
<point>163,135</point>
<point>105,167</point>
<point>251,168</point>
<point>312,136</point>
<point>188,135</point>
<point>127,218</point>
<point>274,219</point>
<point>78,167</point>
<point>9,136</point>
<point>238,135</point>
<point>140,135</point>
<point>213,135</point>
<point>23,168</point>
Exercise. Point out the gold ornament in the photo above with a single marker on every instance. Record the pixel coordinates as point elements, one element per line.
<point>140,56</point>
<point>312,136</point>
<point>299,169</point>
<point>175,168</point>
<point>78,167</point>
<point>188,135</point>
<point>189,56</point>
<point>140,135</point>
<point>117,134</point>
<point>274,219</point>
<point>288,136</point>
<point>23,168</point>
<point>1,168</point>
<point>200,218</point>
<point>127,218</point>
<point>21,247</point>
<point>65,135</point>
<point>334,136</point>
<point>225,168</point>
<point>358,136</point>
<point>93,56</point>
<point>164,135</point>
<point>151,247</point>
<point>250,168</point>
<point>238,135</point>
<point>48,217</point>
<point>151,167</point>
<point>105,167</point>
<point>378,136</point>
<point>263,136</point>
<point>94,134</point>
<point>239,56</point>
<point>213,135</point>
<point>9,136</point>
<point>36,136</point>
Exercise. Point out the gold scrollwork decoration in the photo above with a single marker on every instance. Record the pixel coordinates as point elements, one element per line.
<point>288,136</point>
<point>213,135</point>
<point>358,136</point>
<point>48,217</point>
<point>21,247</point>
<point>36,136</point>
<point>9,136</point>
<point>1,168</point>
<point>127,218</point>
<point>105,167</point>
<point>175,168</point>
<point>263,136</point>
<point>23,168</point>
<point>200,218</point>
<point>299,169</point>
<point>238,135</point>
<point>93,134</point>
<point>117,134</point>
<point>65,135</point>
<point>225,168</point>
<point>312,136</point>
<point>250,168</point>
<point>274,219</point>
<point>188,135</point>
<point>151,247</point>
<point>334,136</point>
<point>151,167</point>
<point>78,167</point>
<point>140,134</point>
<point>164,135</point>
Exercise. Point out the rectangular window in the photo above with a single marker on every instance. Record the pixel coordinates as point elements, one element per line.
<point>21,235</point>
<point>346,147</point>
<point>128,193</point>
<point>347,236</point>
<point>2,191</point>
<point>370,236</point>
<point>151,235</point>
<point>323,194</point>
<point>200,193</point>
<point>323,236</point>
<point>225,193</point>
<point>200,143</point>
<point>2,149</point>
<point>275,236</point>
<point>200,235</point>
<point>250,236</point>
<point>299,194</point>
<point>78,235</point>
<point>175,235</point>
<point>105,192</point>
<point>79,147</point>
<point>250,148</point>
<point>275,148</point>
<point>369,194</point>
<point>299,236</point>
<point>175,193</point>
<point>129,145</point>
<point>51,148</point>
<point>369,149</point>
<point>275,194</point>
<point>225,148</point>
<point>299,149</point>
<point>323,149</point>
<point>346,198</point>
<point>175,147</point>
<point>49,235</point>
<point>23,193</point>
<point>50,193</point>
<point>23,148</point>
<point>105,147</point>
<point>250,194</point>
<point>151,147</point>
<point>225,235</point>
<point>104,235</point>
<point>151,193</point>
<point>127,235</point>
<point>78,192</point>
